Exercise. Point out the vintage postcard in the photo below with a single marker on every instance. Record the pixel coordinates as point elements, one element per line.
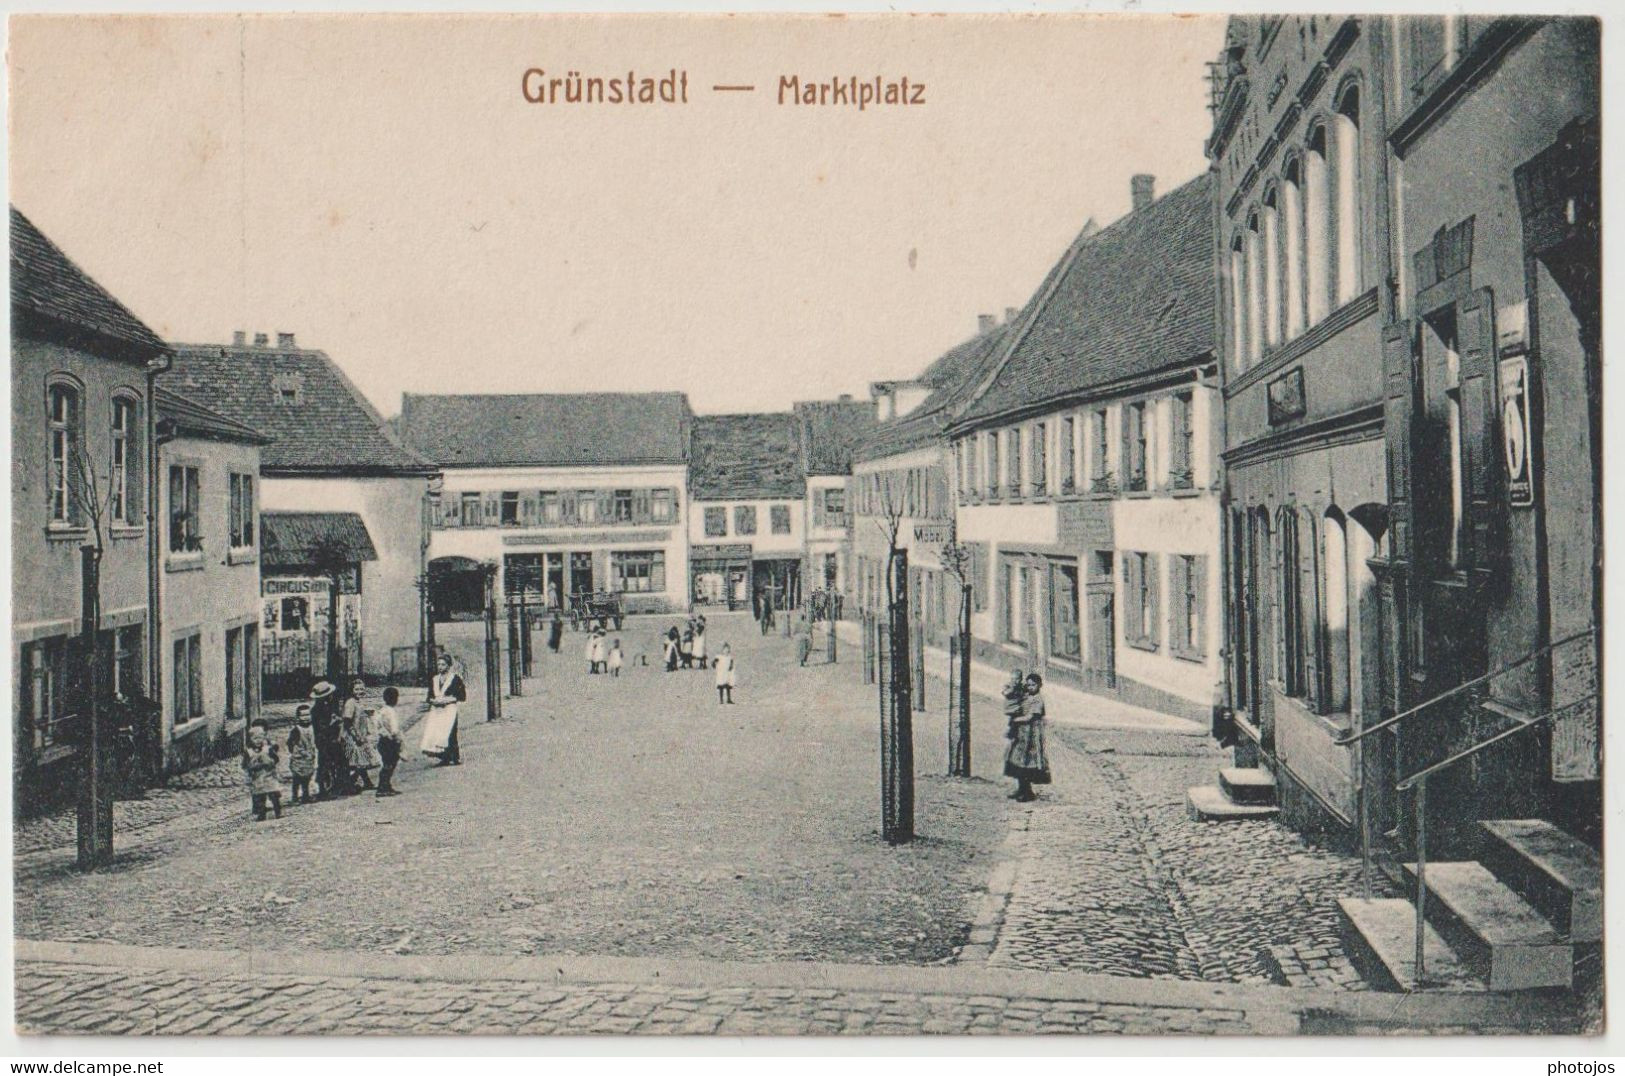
<point>806,525</point>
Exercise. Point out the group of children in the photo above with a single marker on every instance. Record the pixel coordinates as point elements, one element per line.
<point>337,745</point>
<point>604,657</point>
<point>685,649</point>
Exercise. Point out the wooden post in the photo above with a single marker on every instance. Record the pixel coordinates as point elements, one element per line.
<point>95,815</point>
<point>493,649</point>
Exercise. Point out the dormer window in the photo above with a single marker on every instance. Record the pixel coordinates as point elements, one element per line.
<point>288,388</point>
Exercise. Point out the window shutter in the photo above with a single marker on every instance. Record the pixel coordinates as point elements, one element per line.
<point>1179,413</point>
<point>1310,622</point>
<point>1426,53</point>
<point>493,508</point>
<point>135,459</point>
<point>527,509</point>
<point>1176,604</point>
<point>1398,356</point>
<point>1475,339</point>
<point>567,505</point>
<point>1131,597</point>
<point>606,505</point>
<point>1153,564</point>
<point>1199,644</point>
<point>1126,460</point>
<point>437,512</point>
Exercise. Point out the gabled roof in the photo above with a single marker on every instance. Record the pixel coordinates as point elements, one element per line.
<point>1130,301</point>
<point>320,423</point>
<point>951,376</point>
<point>188,418</point>
<point>828,431</point>
<point>548,429</point>
<point>746,458</point>
<point>294,539</point>
<point>53,297</point>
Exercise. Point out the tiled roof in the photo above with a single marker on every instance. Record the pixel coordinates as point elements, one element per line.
<point>292,539</point>
<point>951,376</point>
<point>50,294</point>
<point>828,430</point>
<point>319,422</point>
<point>191,419</point>
<point>1134,299</point>
<point>746,457</point>
<point>548,430</point>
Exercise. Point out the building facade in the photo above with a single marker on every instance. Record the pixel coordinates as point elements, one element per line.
<point>208,606</point>
<point>330,452</point>
<point>1303,201</point>
<point>747,532</point>
<point>829,430</point>
<point>81,461</point>
<point>567,495</point>
<point>1086,468</point>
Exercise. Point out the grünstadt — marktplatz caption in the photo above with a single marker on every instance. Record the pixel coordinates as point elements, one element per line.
<point>671,87</point>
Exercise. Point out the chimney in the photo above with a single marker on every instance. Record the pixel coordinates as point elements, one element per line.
<point>846,397</point>
<point>985,322</point>
<point>1011,313</point>
<point>1144,188</point>
<point>262,340</point>
<point>284,340</point>
<point>239,338</point>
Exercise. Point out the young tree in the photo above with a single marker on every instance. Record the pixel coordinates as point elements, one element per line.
<point>898,826</point>
<point>95,809</point>
<point>959,560</point>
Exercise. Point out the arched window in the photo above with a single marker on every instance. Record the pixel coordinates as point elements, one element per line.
<point>1256,327</point>
<point>1238,304</point>
<point>1316,227</point>
<point>1270,240</point>
<point>1334,670</point>
<point>1290,593</point>
<point>64,410</point>
<point>1292,245</point>
<point>1346,123</point>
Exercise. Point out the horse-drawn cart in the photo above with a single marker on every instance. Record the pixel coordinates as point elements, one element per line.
<point>598,607</point>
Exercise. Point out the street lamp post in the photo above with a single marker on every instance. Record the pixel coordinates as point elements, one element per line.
<point>493,647</point>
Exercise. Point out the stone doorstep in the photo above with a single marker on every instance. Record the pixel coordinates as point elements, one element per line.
<point>1557,873</point>
<point>1249,786</point>
<point>1270,1010</point>
<point>1380,936</point>
<point>1497,932</point>
<point>1208,803</point>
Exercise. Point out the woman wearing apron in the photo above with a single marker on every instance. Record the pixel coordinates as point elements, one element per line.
<point>440,730</point>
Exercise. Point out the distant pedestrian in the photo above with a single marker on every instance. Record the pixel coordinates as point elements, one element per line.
<point>259,765</point>
<point>685,648</point>
<point>595,651</point>
<point>553,599</point>
<point>669,650</point>
<point>803,640</point>
<point>699,643</point>
<point>301,754</point>
<point>360,750</point>
<point>387,723</point>
<point>440,728</point>
<point>1026,760</point>
<point>332,772</point>
<point>616,659</point>
<point>555,627</point>
<point>725,675</point>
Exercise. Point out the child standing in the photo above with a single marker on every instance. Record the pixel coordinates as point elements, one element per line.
<point>616,659</point>
<point>725,676</point>
<point>259,764</point>
<point>301,754</point>
<point>388,725</point>
<point>595,650</point>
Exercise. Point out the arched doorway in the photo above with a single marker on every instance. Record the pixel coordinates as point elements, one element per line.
<point>456,589</point>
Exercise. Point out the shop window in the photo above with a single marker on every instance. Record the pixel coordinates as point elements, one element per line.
<point>65,415</point>
<point>185,504</point>
<point>745,519</point>
<point>716,522</point>
<point>638,572</point>
<point>779,518</point>
<point>187,685</point>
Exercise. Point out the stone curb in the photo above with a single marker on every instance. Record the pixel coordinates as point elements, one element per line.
<point>1270,1010</point>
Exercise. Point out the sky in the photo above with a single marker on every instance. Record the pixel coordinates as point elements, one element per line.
<point>380,187</point>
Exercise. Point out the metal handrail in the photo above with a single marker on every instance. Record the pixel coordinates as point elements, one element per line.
<point>1422,775</point>
<point>1459,688</point>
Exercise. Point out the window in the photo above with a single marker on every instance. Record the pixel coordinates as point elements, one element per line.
<point>46,671</point>
<point>587,506</point>
<point>124,476</point>
<point>716,522</point>
<point>1346,125</point>
<point>1101,473</point>
<point>1316,227</point>
<point>549,500</point>
<point>509,509</point>
<point>973,449</point>
<point>993,464</point>
<point>779,518</point>
<point>1069,454</point>
<point>1063,611</point>
<point>1289,588</point>
<point>1186,637</point>
<point>64,420</point>
<point>1257,329</point>
<point>1182,441</point>
<point>1135,447</point>
<point>1270,242</point>
<point>241,511</point>
<point>185,530</point>
<point>835,507</point>
<point>1442,366</point>
<point>471,509</point>
<point>1334,691</point>
<point>1292,246</point>
<point>745,519</point>
<point>638,572</point>
<point>1238,303</point>
<point>1010,595</point>
<point>129,674</point>
<point>662,505</point>
<point>1040,460</point>
<point>234,674</point>
<point>1140,600</point>
<point>1012,458</point>
<point>623,506</point>
<point>187,686</point>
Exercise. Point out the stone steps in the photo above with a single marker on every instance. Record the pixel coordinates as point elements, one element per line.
<point>1560,875</point>
<point>1208,803</point>
<point>1380,937</point>
<point>1495,932</point>
<point>1248,785</point>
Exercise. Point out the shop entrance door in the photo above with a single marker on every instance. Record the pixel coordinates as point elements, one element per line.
<point>581,573</point>
<point>1102,622</point>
